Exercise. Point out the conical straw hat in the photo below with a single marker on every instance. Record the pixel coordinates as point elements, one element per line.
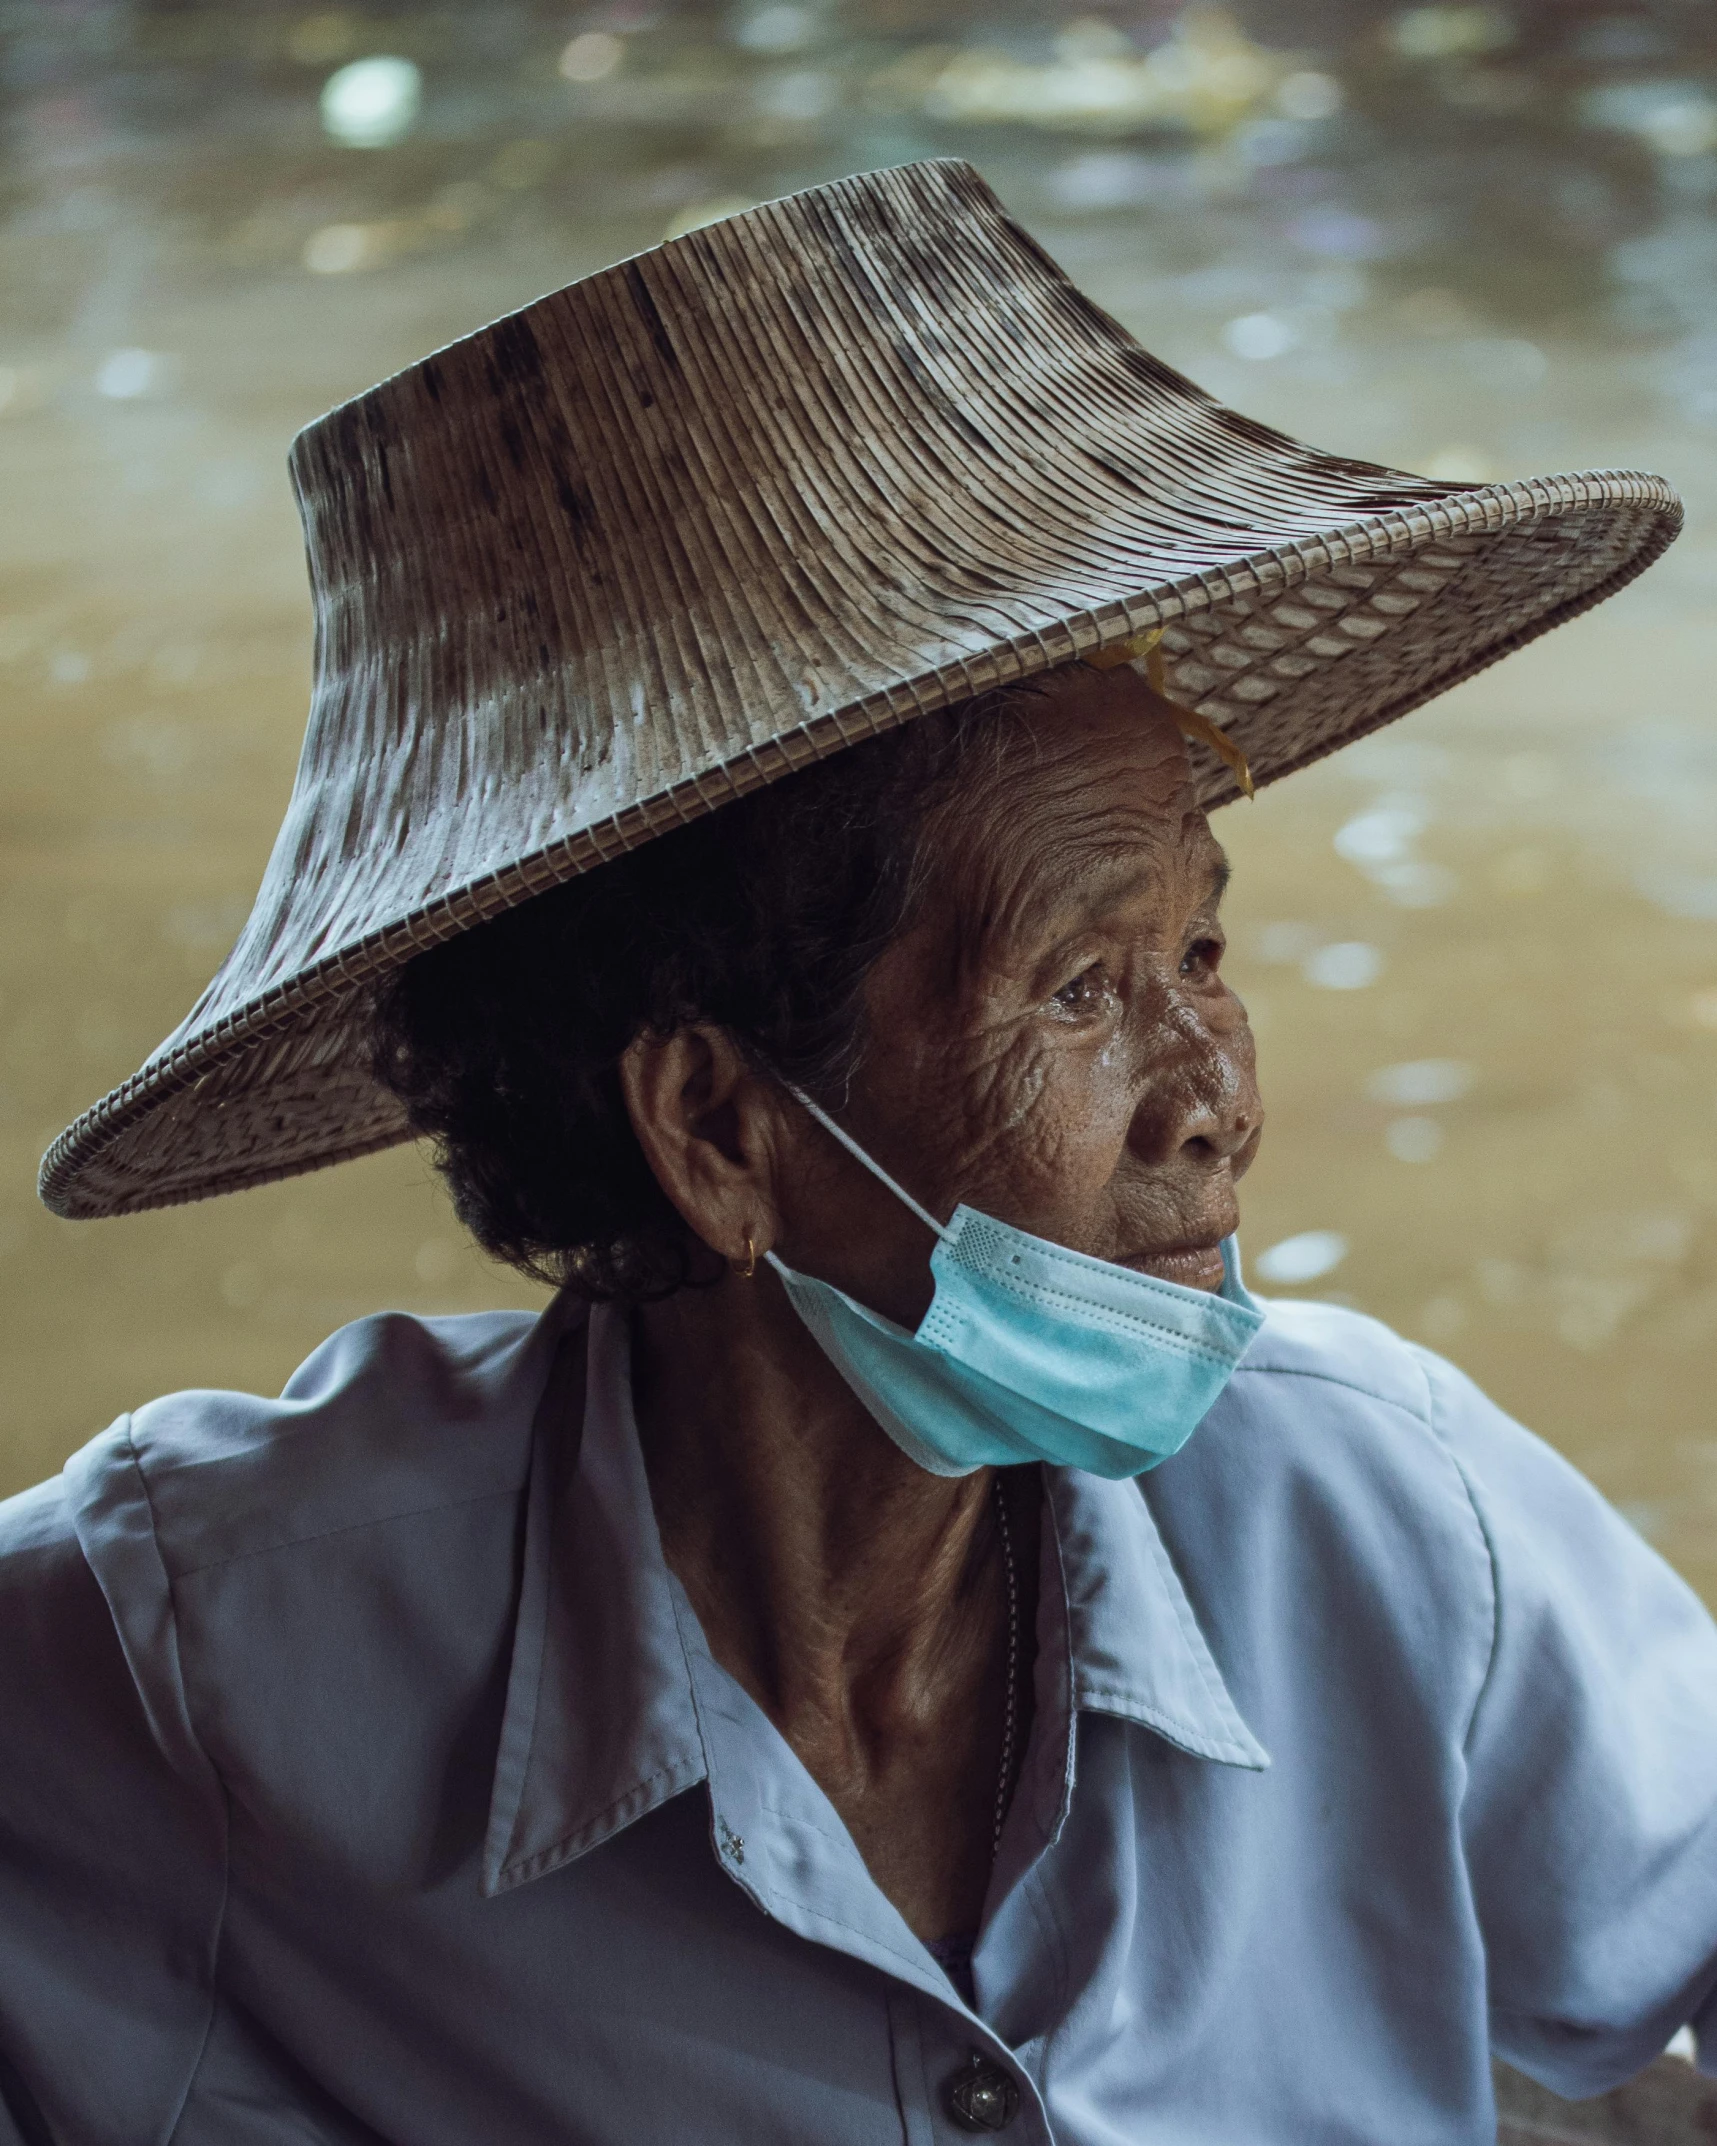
<point>722,510</point>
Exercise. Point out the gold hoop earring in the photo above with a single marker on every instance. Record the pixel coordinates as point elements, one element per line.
<point>747,1267</point>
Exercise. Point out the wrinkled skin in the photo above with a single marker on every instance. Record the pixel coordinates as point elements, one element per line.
<point>1050,1041</point>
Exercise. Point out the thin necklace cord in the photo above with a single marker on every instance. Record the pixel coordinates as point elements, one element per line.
<point>1010,1718</point>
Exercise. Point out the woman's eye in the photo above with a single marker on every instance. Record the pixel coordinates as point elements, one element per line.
<point>1086,992</point>
<point>1203,957</point>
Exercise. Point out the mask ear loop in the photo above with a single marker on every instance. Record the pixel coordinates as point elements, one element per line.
<point>858,1154</point>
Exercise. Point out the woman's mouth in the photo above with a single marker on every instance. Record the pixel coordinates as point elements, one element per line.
<point>1193,1266</point>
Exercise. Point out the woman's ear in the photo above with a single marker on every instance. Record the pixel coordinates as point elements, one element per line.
<point>708,1127</point>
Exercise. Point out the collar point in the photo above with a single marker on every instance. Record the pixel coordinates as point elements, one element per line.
<point>1228,1743</point>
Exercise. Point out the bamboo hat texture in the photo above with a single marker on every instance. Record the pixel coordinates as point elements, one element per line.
<point>713,514</point>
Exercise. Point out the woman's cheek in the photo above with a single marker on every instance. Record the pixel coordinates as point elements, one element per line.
<point>1083,1089</point>
<point>1003,1131</point>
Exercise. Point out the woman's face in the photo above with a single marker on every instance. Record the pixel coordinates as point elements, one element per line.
<point>1052,1042</point>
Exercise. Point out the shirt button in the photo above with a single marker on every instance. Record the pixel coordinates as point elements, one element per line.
<point>982,2097</point>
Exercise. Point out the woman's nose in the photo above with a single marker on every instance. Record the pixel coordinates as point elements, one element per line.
<point>1200,1092</point>
<point>1225,1133</point>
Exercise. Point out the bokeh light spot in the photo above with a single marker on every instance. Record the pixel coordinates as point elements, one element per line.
<point>129,375</point>
<point>1348,965</point>
<point>372,103</point>
<point>1421,1081</point>
<point>1414,1139</point>
<point>592,56</point>
<point>1306,1257</point>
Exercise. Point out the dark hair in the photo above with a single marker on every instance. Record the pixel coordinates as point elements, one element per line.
<point>504,1043</point>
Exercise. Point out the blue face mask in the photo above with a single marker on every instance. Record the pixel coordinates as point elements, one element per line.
<point>1030,1352</point>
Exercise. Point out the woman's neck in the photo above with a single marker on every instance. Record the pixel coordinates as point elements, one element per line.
<point>860,1601</point>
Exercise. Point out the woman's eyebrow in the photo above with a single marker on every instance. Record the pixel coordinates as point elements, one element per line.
<point>1086,887</point>
<point>1091,884</point>
<point>1095,883</point>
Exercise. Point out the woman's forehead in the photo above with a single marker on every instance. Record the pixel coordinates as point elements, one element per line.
<point>1091,803</point>
<point>1173,864</point>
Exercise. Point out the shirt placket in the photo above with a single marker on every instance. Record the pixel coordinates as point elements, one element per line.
<point>780,1840</point>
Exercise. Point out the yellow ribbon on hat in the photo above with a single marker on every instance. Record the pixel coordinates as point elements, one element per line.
<point>1148,647</point>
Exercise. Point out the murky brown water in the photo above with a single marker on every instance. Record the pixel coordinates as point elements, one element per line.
<point>1481,950</point>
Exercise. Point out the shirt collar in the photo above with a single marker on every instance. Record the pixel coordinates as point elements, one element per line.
<point>599,1725</point>
<point>602,1717</point>
<point>1134,1644</point>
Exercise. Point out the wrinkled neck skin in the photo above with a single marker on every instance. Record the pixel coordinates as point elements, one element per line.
<point>856,1597</point>
<point>1049,1041</point>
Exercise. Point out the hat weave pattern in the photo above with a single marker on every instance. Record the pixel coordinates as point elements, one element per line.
<point>713,514</point>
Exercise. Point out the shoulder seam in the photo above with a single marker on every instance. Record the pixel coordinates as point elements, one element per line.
<point>1484,1536</point>
<point>218,1934</point>
<point>170,1580</point>
<point>1426,1419</point>
<point>1329,1378</point>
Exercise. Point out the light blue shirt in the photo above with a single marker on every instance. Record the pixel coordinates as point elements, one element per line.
<point>366,1778</point>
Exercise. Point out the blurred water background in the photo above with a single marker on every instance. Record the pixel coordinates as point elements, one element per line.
<point>1480,950</point>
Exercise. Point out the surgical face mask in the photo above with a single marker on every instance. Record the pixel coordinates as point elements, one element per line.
<point>1030,1352</point>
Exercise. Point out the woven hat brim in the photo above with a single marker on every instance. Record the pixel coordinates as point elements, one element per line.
<point>1295,650</point>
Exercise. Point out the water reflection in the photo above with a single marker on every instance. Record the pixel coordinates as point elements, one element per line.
<point>1470,240</point>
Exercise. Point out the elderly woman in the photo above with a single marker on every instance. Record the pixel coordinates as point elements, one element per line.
<point>906,1645</point>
